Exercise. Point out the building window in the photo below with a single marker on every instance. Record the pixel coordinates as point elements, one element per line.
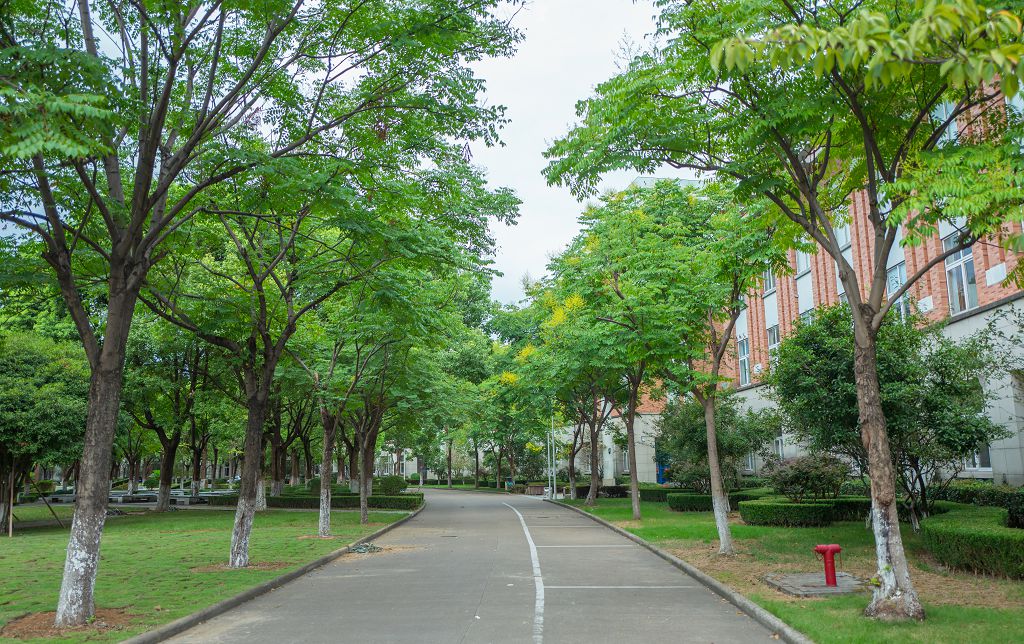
<point>963,288</point>
<point>625,460</point>
<point>942,112</point>
<point>979,460</point>
<point>750,462</point>
<point>744,353</point>
<point>779,446</point>
<point>769,282</point>
<point>774,337</point>
<point>843,236</point>
<point>803,262</point>
<point>895,278</point>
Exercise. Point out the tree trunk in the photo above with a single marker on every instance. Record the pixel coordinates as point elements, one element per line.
<point>498,482</point>
<point>163,496</point>
<point>363,484</point>
<point>634,483</point>
<point>894,597</point>
<point>329,423</point>
<point>719,498</point>
<point>197,465</point>
<point>252,451</point>
<point>449,465</point>
<point>595,464</point>
<point>341,468</point>
<point>76,605</point>
<point>476,465</point>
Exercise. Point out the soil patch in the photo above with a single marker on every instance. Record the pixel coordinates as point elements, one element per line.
<point>40,625</point>
<point>253,565</point>
<point>746,574</point>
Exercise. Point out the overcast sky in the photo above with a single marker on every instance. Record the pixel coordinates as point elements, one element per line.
<point>570,47</point>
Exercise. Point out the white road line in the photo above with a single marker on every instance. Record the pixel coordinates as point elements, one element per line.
<point>565,526</point>
<point>581,546</point>
<point>538,582</point>
<point>614,587</point>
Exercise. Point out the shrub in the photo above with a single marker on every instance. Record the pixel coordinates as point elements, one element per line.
<point>153,480</point>
<point>748,482</point>
<point>850,508</point>
<point>747,495</point>
<point>392,485</point>
<point>45,487</point>
<point>1015,509</point>
<point>855,487</point>
<point>977,540</point>
<point>977,493</point>
<point>690,502</point>
<point>783,513</point>
<point>341,501</point>
<point>815,476</point>
<point>615,491</point>
<point>650,493</point>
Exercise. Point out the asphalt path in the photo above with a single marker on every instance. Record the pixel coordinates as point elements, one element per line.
<point>479,567</point>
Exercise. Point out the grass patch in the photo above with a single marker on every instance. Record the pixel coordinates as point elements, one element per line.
<point>38,512</point>
<point>960,607</point>
<point>150,565</point>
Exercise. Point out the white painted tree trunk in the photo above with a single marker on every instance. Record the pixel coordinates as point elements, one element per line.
<point>719,497</point>
<point>261,496</point>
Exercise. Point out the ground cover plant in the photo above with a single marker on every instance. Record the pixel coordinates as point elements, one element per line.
<point>961,606</point>
<point>182,554</point>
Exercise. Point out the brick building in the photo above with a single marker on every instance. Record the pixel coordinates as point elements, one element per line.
<point>967,289</point>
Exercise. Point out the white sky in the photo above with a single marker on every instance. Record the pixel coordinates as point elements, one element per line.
<point>569,48</point>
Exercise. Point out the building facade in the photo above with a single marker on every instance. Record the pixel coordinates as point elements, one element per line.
<point>968,290</point>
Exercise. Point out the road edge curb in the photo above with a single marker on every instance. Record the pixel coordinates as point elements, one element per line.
<point>758,614</point>
<point>182,624</point>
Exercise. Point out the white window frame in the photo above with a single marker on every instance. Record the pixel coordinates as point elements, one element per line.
<point>750,464</point>
<point>803,263</point>
<point>779,445</point>
<point>769,282</point>
<point>896,277</point>
<point>973,462</point>
<point>843,236</point>
<point>778,337</point>
<point>962,263</point>
<point>743,351</point>
<point>940,113</point>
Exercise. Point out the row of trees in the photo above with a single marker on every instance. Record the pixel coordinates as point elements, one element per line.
<point>798,106</point>
<point>249,174</point>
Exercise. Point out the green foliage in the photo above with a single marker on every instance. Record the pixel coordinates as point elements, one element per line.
<point>340,501</point>
<point>814,476</point>
<point>782,513</point>
<point>690,502</point>
<point>44,388</point>
<point>978,493</point>
<point>682,439</point>
<point>935,407</point>
<point>650,494</point>
<point>1015,510</point>
<point>391,485</point>
<point>975,539</point>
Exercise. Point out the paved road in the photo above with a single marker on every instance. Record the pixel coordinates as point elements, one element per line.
<point>477,567</point>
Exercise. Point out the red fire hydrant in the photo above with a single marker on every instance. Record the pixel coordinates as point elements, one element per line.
<point>828,552</point>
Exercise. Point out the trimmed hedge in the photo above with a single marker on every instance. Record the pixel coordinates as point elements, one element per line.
<point>749,482</point>
<point>1016,511</point>
<point>340,501</point>
<point>657,494</point>
<point>977,540</point>
<point>978,493</point>
<point>690,502</point>
<point>785,513</point>
<point>747,495</point>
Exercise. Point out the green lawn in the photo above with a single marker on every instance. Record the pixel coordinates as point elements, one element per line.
<point>149,562</point>
<point>960,607</point>
<point>38,512</point>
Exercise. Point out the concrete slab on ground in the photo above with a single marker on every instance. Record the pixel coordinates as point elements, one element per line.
<point>812,584</point>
